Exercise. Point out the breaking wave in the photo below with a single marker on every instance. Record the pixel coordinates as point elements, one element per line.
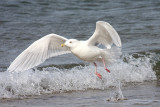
<point>136,67</point>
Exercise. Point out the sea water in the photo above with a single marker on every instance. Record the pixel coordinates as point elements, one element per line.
<point>25,21</point>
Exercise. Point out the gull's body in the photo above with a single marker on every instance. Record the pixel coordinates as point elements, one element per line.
<point>52,45</point>
<point>82,53</point>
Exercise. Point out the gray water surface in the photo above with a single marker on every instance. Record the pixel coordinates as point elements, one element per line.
<point>138,22</point>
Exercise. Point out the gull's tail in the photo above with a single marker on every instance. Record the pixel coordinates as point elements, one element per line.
<point>112,54</point>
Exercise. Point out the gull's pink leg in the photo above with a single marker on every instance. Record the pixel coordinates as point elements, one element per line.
<point>99,75</point>
<point>105,65</point>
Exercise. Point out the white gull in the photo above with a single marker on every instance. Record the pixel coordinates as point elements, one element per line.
<point>52,45</point>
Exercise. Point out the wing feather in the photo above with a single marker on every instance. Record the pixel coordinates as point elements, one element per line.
<point>42,49</point>
<point>105,34</point>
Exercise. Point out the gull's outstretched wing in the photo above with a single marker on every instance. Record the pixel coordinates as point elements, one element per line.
<point>42,49</point>
<point>105,34</point>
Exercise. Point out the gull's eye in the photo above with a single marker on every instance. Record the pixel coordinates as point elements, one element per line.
<point>70,42</point>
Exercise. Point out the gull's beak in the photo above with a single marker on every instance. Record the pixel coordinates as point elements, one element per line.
<point>62,45</point>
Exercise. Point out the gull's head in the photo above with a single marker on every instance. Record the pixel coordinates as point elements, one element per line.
<point>71,43</point>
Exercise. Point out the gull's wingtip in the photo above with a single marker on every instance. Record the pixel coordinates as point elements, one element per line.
<point>100,22</point>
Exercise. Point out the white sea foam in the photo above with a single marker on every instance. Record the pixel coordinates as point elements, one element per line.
<point>52,79</point>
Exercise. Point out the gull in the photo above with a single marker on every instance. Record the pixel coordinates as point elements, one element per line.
<point>53,45</point>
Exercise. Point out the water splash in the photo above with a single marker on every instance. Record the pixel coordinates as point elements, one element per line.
<point>117,95</point>
<point>52,79</point>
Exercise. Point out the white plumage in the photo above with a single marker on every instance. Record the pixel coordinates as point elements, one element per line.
<point>42,49</point>
<point>52,45</point>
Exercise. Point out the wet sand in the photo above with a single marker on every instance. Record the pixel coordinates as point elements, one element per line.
<point>136,95</point>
